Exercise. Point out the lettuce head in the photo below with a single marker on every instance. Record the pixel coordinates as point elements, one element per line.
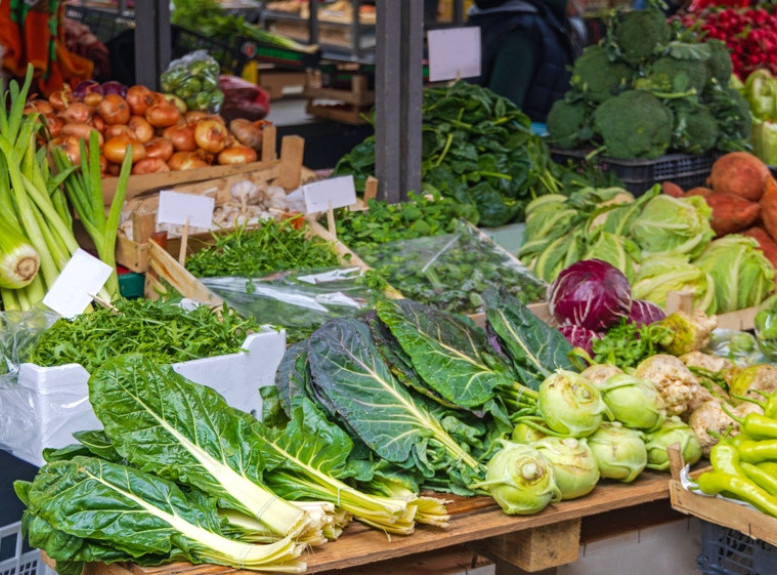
<point>658,275</point>
<point>673,226</point>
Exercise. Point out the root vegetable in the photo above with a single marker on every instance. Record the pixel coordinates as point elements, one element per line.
<point>765,243</point>
<point>769,207</point>
<point>62,98</point>
<point>194,116</point>
<point>668,188</point>
<point>114,109</point>
<point>237,155</point>
<point>80,130</point>
<point>182,137</point>
<point>117,130</point>
<point>141,129</point>
<point>731,213</point>
<point>162,114</point>
<point>76,112</point>
<point>187,161</point>
<point>53,123</point>
<point>40,106</point>
<point>116,148</point>
<point>211,135</point>
<point>139,98</point>
<point>93,99</point>
<point>70,145</point>
<point>739,173</point>
<point>150,166</point>
<point>160,147</point>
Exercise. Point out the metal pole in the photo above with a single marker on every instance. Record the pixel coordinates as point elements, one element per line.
<point>153,46</point>
<point>398,85</point>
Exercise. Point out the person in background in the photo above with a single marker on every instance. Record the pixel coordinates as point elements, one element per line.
<point>527,50</point>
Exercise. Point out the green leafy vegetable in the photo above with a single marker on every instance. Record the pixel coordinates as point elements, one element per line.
<point>273,247</point>
<point>162,330</point>
<point>351,379</point>
<point>162,422</point>
<point>113,512</point>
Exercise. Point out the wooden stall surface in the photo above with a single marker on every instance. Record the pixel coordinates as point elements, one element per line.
<point>533,543</point>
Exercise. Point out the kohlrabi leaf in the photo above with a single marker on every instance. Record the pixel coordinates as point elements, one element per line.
<point>163,423</point>
<point>536,348</point>
<point>452,355</point>
<point>138,513</point>
<point>398,425</point>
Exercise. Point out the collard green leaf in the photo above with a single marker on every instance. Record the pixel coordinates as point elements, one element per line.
<point>163,423</point>
<point>291,378</point>
<point>138,514</point>
<point>536,348</point>
<point>349,371</point>
<point>450,353</point>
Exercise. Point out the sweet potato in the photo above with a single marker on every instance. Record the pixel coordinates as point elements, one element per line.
<point>699,191</point>
<point>731,213</point>
<point>769,207</point>
<point>672,189</point>
<point>765,242</point>
<point>739,173</point>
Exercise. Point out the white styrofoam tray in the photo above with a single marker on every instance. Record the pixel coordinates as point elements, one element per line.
<point>48,404</point>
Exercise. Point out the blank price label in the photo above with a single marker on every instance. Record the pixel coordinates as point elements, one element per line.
<point>83,276</point>
<point>176,208</point>
<point>454,53</point>
<point>332,193</point>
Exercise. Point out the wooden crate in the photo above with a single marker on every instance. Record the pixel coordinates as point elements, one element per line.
<point>347,106</point>
<point>532,543</point>
<point>740,320</point>
<point>133,252</point>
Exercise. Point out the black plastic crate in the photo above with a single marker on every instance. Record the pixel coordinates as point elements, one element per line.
<point>105,24</point>
<point>726,551</point>
<point>638,176</point>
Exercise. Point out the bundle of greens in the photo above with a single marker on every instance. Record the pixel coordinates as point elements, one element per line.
<point>162,330</point>
<point>478,148</point>
<point>274,246</point>
<point>651,88</point>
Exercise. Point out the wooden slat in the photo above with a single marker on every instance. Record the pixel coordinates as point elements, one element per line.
<point>360,545</point>
<point>166,267</point>
<point>539,548</point>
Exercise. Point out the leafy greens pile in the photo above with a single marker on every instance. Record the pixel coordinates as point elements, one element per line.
<point>163,330</point>
<point>477,148</point>
<point>274,246</point>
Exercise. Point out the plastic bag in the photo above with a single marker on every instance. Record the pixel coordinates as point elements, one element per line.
<point>740,347</point>
<point>19,333</point>
<point>297,301</point>
<point>451,271</point>
<point>194,78</point>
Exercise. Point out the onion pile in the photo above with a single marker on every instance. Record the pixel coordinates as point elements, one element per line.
<point>163,135</point>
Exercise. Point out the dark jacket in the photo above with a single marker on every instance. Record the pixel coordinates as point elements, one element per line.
<point>544,33</point>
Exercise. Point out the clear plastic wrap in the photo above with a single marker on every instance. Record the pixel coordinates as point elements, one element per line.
<point>19,333</point>
<point>194,78</point>
<point>451,271</point>
<point>741,347</point>
<point>297,301</point>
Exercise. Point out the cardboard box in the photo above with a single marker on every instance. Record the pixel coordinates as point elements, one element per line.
<point>49,403</point>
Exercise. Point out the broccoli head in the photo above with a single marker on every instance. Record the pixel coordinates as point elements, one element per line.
<point>598,76</point>
<point>639,34</point>
<point>719,64</point>
<point>569,124</point>
<point>695,127</point>
<point>634,124</point>
<point>669,75</point>
<point>732,112</point>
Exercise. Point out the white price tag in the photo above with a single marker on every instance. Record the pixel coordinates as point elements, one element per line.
<point>454,53</point>
<point>176,208</point>
<point>332,193</point>
<point>77,284</point>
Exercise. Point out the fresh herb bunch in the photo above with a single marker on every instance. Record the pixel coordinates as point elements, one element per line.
<point>421,216</point>
<point>274,246</point>
<point>162,330</point>
<point>627,344</point>
<point>451,271</point>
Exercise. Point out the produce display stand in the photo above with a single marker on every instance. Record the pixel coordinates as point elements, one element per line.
<point>534,543</point>
<point>286,172</point>
<point>352,105</point>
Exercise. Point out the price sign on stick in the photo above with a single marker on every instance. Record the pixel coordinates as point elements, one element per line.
<point>326,195</point>
<point>180,209</point>
<point>83,276</point>
<point>186,210</point>
<point>454,53</point>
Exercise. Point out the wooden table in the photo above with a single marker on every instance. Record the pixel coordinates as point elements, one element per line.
<point>478,530</point>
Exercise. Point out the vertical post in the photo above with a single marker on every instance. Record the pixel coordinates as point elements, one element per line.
<point>153,46</point>
<point>398,79</point>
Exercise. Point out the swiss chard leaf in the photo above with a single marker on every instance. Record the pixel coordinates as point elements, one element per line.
<point>400,427</point>
<point>292,376</point>
<point>162,422</point>
<point>138,513</point>
<point>450,353</point>
<point>536,348</point>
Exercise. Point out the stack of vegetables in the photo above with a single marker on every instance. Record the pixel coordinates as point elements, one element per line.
<point>650,88</point>
<point>660,242</point>
<point>37,194</point>
<point>749,33</point>
<point>478,149</point>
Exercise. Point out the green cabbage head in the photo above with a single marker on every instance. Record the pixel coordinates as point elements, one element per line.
<point>658,275</point>
<point>741,274</point>
<point>673,226</point>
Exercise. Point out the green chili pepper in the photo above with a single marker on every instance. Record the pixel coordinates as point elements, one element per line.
<point>713,482</point>
<point>759,426</point>
<point>724,457</point>
<point>757,451</point>
<point>769,466</point>
<point>760,477</point>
